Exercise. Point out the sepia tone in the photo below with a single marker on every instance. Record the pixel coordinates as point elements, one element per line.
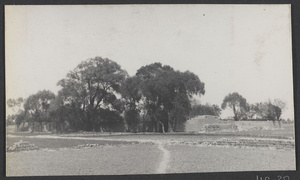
<point>148,89</point>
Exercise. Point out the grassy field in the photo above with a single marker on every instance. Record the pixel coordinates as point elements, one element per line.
<point>108,160</point>
<point>191,159</point>
<point>145,159</point>
<point>268,129</point>
<point>145,153</point>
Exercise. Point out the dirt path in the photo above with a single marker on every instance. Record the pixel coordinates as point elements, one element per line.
<point>162,168</point>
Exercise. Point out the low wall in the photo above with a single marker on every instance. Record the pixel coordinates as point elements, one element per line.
<point>255,125</point>
<point>197,124</point>
<point>220,127</point>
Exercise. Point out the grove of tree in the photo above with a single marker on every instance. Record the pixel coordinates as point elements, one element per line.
<point>98,95</point>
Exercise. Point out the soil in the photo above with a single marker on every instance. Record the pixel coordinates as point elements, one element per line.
<point>189,159</point>
<point>119,153</point>
<point>145,159</point>
<point>105,160</point>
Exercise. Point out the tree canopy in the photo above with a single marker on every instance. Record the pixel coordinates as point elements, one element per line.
<point>269,110</point>
<point>237,103</point>
<point>168,91</point>
<point>37,106</point>
<point>92,87</point>
<point>99,95</point>
<point>199,109</point>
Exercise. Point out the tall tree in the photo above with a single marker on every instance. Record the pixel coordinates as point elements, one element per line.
<point>92,87</point>
<point>163,88</point>
<point>237,103</point>
<point>37,105</point>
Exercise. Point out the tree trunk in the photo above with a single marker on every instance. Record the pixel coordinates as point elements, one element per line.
<point>170,129</point>
<point>153,126</point>
<point>125,126</point>
<point>235,113</point>
<point>279,123</point>
<point>41,126</point>
<point>32,130</point>
<point>57,127</point>
<point>62,128</point>
<point>88,124</point>
<point>162,126</point>
<point>50,126</point>
<point>175,125</point>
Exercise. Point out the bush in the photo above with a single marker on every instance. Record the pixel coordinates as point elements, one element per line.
<point>23,128</point>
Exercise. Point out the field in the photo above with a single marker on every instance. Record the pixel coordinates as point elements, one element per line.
<point>151,153</point>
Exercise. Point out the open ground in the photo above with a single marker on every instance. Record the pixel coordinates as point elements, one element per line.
<point>150,153</point>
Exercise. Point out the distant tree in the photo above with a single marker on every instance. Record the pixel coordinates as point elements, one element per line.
<point>92,87</point>
<point>12,103</point>
<point>269,110</point>
<point>237,103</point>
<point>10,120</point>
<point>199,109</point>
<point>280,106</point>
<point>37,105</point>
<point>15,106</point>
<point>244,113</point>
<point>275,109</point>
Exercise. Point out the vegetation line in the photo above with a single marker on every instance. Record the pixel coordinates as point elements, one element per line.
<point>99,96</point>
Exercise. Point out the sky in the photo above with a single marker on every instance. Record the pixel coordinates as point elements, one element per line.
<point>232,48</point>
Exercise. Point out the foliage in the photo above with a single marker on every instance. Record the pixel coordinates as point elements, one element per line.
<point>37,106</point>
<point>99,95</point>
<point>15,106</point>
<point>62,114</point>
<point>132,119</point>
<point>11,103</point>
<point>19,118</point>
<point>237,103</point>
<point>167,90</point>
<point>132,96</point>
<point>206,109</point>
<point>92,88</point>
<point>10,120</point>
<point>268,110</point>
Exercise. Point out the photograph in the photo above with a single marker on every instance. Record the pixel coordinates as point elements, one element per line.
<point>148,89</point>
